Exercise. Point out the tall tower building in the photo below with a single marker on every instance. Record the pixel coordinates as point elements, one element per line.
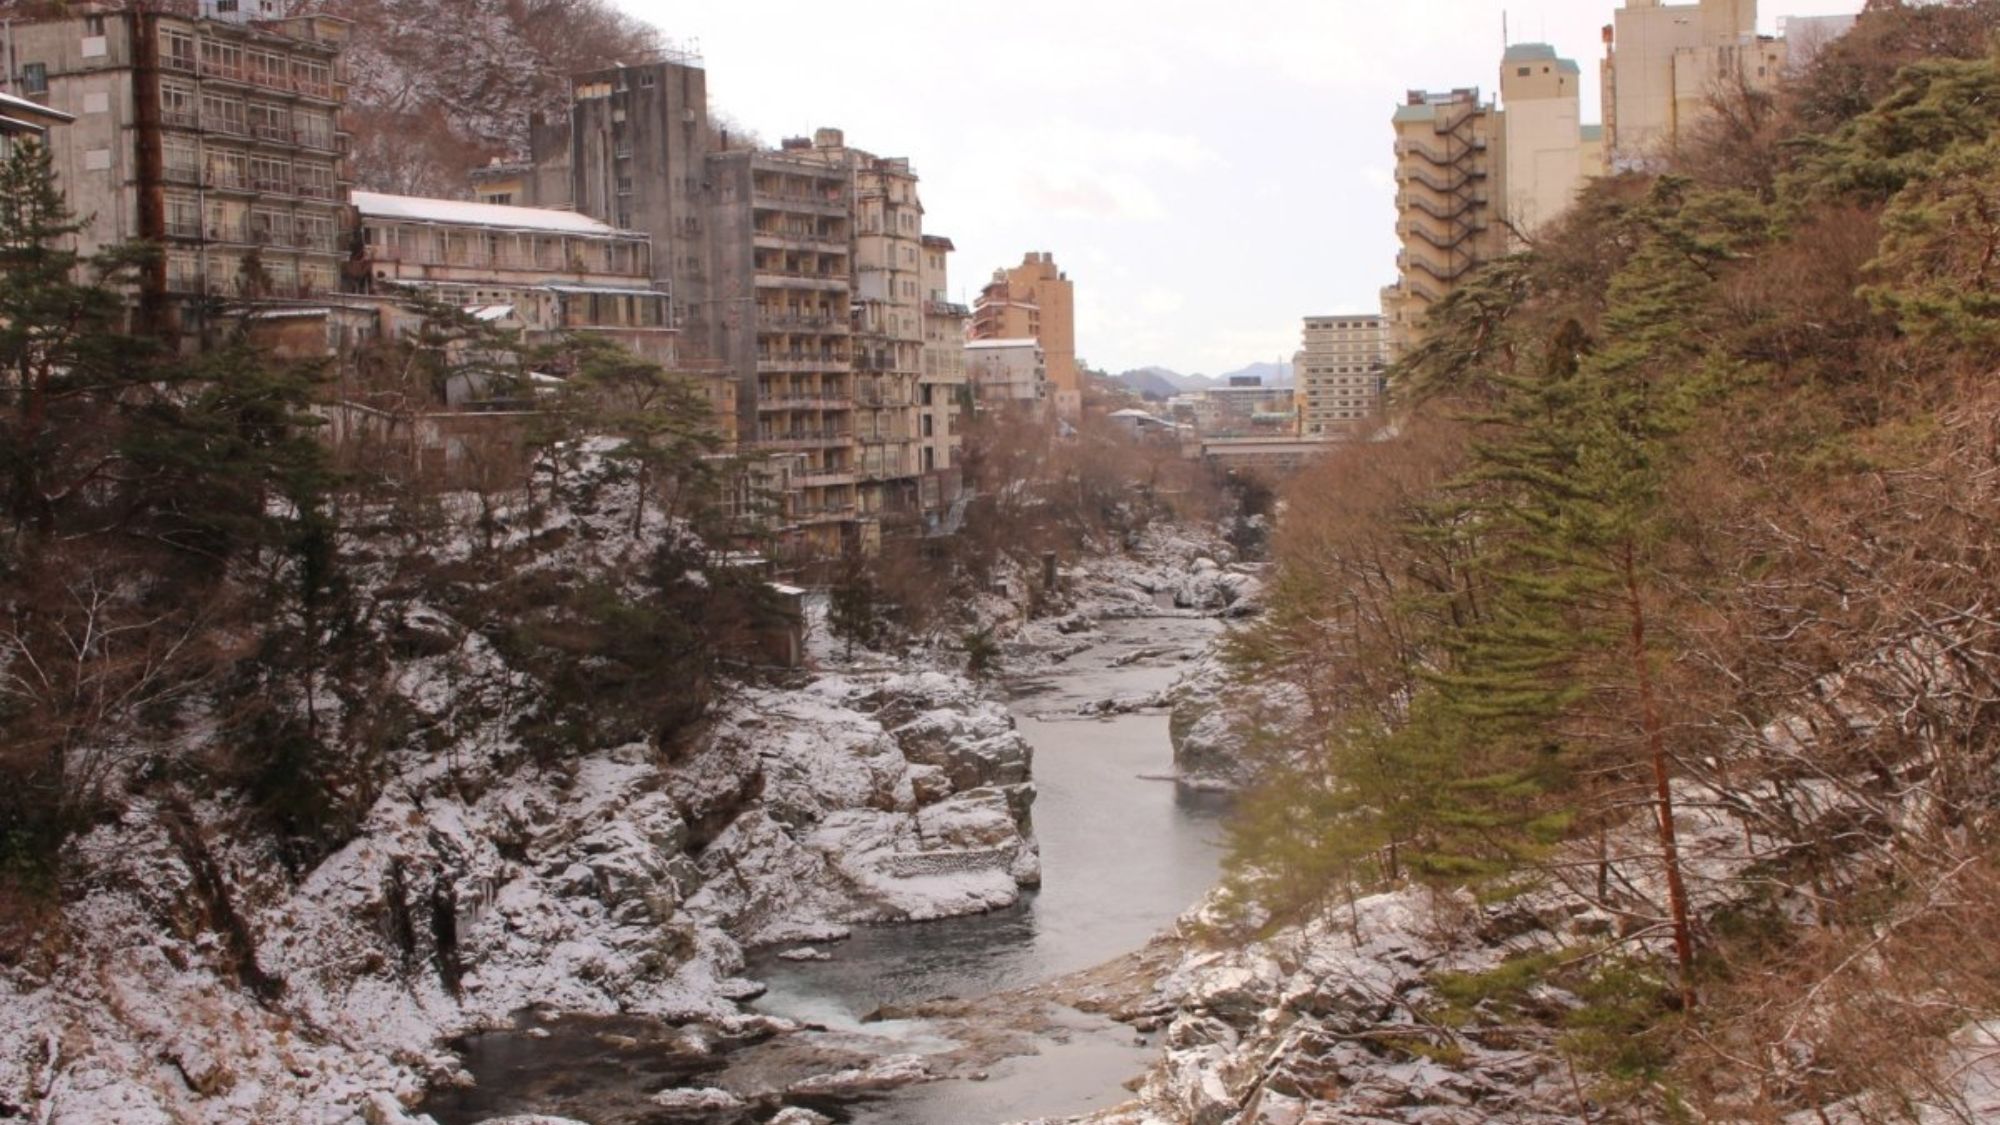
<point>216,136</point>
<point>1448,193</point>
<point>886,249</point>
<point>942,390</point>
<point>1036,300</point>
<point>633,154</point>
<point>779,241</point>
<point>1547,158</point>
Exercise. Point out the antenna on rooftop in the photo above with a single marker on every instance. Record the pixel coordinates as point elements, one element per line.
<point>1505,41</point>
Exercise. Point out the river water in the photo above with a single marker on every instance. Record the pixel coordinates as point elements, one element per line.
<point>1123,853</point>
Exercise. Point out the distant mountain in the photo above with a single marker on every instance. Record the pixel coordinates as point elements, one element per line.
<point>1270,374</point>
<point>1163,382</point>
<point>1152,382</point>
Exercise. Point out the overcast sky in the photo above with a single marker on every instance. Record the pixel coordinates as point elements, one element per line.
<point>1207,173</point>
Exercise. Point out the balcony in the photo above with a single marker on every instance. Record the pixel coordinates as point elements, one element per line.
<point>798,240</point>
<point>780,322</point>
<point>180,119</point>
<point>835,479</point>
<point>793,440</point>
<point>818,282</point>
<point>819,402</point>
<point>800,364</point>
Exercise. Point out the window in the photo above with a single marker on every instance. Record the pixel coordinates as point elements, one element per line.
<point>224,60</point>
<point>270,174</point>
<point>270,121</point>
<point>313,129</point>
<point>315,179</point>
<point>227,169</point>
<point>176,50</point>
<point>183,215</point>
<point>93,26</point>
<point>35,78</point>
<point>222,114</point>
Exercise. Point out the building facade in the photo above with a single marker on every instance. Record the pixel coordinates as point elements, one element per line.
<point>212,133</point>
<point>1664,63</point>
<point>942,394</point>
<point>1006,374</point>
<point>1449,165</point>
<point>1340,380</point>
<point>1036,299</point>
<point>779,248</point>
<point>1546,154</point>
<point>886,250</point>
<point>632,154</point>
<point>547,271</point>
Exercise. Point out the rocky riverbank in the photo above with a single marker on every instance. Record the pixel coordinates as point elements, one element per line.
<point>199,979</point>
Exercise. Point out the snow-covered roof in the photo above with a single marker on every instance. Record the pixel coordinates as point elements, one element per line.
<point>415,209</point>
<point>608,290</point>
<point>19,115</point>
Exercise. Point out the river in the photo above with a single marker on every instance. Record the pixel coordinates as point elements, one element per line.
<point>1123,853</point>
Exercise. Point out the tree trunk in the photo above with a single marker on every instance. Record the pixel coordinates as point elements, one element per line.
<point>1656,748</point>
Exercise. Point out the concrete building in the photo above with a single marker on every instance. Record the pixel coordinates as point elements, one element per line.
<point>1448,202</point>
<point>547,271</point>
<point>886,249</point>
<point>1007,373</point>
<point>21,118</point>
<point>1035,299</point>
<point>942,394</point>
<point>633,154</point>
<point>779,248</point>
<point>1664,62</point>
<point>215,133</point>
<point>1546,158</point>
<point>1340,382</point>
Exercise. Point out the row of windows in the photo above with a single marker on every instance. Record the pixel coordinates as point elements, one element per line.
<point>237,62</point>
<point>249,275</point>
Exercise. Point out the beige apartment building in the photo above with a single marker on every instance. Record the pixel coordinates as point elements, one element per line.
<point>942,395</point>
<point>779,253</point>
<point>204,127</point>
<point>1664,62</point>
<point>1035,299</point>
<point>1548,153</point>
<point>1339,374</point>
<point>1448,202</point>
<point>887,298</point>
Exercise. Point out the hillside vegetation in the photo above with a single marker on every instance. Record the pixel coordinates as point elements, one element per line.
<point>1692,508</point>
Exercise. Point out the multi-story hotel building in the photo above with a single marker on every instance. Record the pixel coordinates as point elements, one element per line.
<point>554,271</point>
<point>1664,63</point>
<point>1036,300</point>
<point>779,247</point>
<point>207,129</point>
<point>1448,195</point>
<point>942,395</point>
<point>1339,372</point>
<point>886,226</point>
<point>1007,373</point>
